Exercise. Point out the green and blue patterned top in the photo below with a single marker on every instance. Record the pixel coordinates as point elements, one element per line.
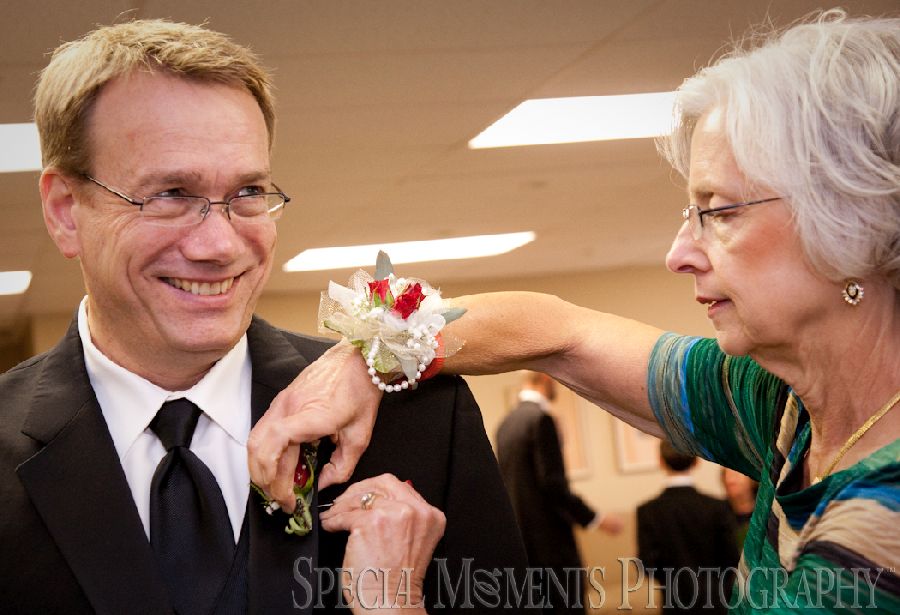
<point>830,547</point>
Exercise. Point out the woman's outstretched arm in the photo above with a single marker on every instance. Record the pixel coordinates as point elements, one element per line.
<point>600,356</point>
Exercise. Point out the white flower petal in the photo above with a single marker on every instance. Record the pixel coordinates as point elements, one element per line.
<point>431,303</point>
<point>341,294</point>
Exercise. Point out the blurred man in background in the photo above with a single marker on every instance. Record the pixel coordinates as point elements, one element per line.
<point>686,540</point>
<point>529,450</point>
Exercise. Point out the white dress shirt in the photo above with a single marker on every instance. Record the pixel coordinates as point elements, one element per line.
<point>129,403</point>
<point>679,480</point>
<point>534,397</point>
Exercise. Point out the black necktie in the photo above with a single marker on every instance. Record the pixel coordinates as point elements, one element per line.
<point>189,526</point>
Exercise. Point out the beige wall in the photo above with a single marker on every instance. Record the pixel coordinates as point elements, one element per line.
<point>652,295</point>
<point>47,329</point>
<point>15,351</point>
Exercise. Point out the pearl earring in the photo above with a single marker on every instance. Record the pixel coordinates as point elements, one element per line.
<point>853,292</point>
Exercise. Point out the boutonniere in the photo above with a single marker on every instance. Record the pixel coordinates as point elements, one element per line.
<point>395,322</point>
<point>300,522</point>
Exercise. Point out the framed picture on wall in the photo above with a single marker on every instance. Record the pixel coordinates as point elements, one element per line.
<point>635,450</point>
<point>568,411</point>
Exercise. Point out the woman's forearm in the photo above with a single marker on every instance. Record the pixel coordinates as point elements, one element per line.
<point>602,357</point>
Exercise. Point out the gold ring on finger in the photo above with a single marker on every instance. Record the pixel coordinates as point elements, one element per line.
<point>367,500</point>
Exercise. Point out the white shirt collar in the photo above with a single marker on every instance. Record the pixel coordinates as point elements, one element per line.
<point>129,402</point>
<point>534,397</point>
<point>679,480</point>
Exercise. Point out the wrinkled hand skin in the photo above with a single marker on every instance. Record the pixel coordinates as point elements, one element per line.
<point>390,544</point>
<point>334,398</point>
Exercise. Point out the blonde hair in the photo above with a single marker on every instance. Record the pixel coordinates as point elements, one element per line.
<point>813,112</point>
<point>78,70</point>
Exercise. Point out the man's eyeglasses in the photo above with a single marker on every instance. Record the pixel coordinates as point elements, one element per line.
<point>694,215</point>
<point>190,210</point>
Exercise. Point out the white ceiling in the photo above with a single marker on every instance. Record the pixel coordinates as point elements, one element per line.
<point>376,102</point>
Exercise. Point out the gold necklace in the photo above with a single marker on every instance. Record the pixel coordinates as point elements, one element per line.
<point>859,434</point>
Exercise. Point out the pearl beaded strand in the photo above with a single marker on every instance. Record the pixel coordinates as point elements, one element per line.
<point>376,380</point>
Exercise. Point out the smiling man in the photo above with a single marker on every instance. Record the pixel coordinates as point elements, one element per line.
<point>123,450</point>
<point>178,281</point>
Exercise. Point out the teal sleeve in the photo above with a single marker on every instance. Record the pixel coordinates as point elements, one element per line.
<point>717,407</point>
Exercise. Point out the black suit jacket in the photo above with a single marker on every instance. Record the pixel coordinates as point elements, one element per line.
<point>531,463</point>
<point>71,537</point>
<point>685,529</point>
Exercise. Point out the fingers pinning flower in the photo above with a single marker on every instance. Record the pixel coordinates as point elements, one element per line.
<point>300,521</point>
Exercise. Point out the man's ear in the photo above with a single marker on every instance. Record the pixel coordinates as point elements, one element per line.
<point>59,200</point>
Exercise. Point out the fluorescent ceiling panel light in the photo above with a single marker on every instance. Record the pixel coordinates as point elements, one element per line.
<point>581,118</point>
<point>14,282</point>
<point>21,150</point>
<point>320,259</point>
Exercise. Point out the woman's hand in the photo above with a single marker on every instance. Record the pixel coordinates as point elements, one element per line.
<point>393,534</point>
<point>332,397</point>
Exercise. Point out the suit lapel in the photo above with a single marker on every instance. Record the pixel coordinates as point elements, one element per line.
<point>281,565</point>
<point>77,484</point>
<point>78,487</point>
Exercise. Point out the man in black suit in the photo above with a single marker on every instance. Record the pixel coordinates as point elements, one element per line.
<point>123,470</point>
<point>529,451</point>
<point>686,540</point>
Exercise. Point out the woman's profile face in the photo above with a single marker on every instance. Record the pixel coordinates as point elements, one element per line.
<point>749,270</point>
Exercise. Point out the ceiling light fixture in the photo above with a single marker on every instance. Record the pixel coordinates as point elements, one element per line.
<point>577,119</point>
<point>320,259</point>
<point>21,149</point>
<point>14,282</point>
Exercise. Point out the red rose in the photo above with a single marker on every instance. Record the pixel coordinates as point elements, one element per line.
<point>409,301</point>
<point>301,473</point>
<point>382,290</point>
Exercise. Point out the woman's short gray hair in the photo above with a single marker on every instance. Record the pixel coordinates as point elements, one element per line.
<point>813,113</point>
